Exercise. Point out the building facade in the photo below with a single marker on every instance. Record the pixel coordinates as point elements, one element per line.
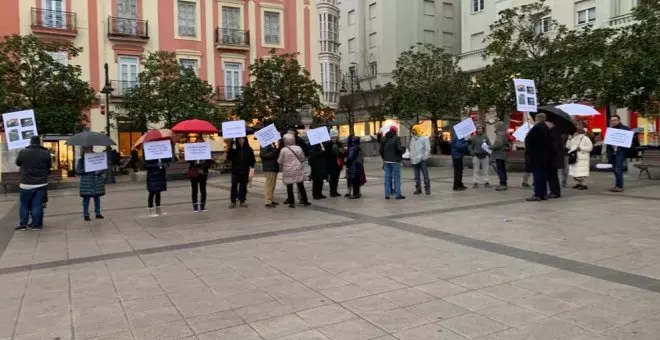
<point>219,39</point>
<point>329,57</point>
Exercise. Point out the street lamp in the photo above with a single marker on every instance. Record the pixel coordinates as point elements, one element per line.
<point>107,90</point>
<point>353,87</point>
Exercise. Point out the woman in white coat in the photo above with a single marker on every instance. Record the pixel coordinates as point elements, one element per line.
<point>581,144</point>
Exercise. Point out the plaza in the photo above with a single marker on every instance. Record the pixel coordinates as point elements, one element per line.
<point>477,264</point>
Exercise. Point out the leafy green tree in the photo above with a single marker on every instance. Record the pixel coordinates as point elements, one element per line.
<point>280,87</point>
<point>32,79</point>
<point>168,92</point>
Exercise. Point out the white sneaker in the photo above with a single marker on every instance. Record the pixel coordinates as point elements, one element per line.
<point>152,212</point>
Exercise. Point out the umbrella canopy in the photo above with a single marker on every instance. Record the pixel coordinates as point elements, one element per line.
<point>560,118</point>
<point>578,110</point>
<point>154,135</point>
<point>89,138</point>
<point>194,126</point>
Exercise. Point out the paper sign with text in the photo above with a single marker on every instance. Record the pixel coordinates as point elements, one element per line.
<point>521,132</point>
<point>161,149</point>
<point>526,96</point>
<point>20,126</point>
<point>233,129</point>
<point>618,137</point>
<point>465,128</point>
<point>318,135</point>
<point>96,161</point>
<point>267,135</point>
<point>197,151</point>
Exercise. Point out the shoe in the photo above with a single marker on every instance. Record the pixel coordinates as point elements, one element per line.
<point>287,201</point>
<point>616,189</point>
<point>195,207</point>
<point>292,205</point>
<point>99,217</point>
<point>152,212</point>
<point>316,198</point>
<point>501,188</point>
<point>486,185</point>
<point>460,189</point>
<point>525,185</point>
<point>232,206</point>
<point>575,186</point>
<point>160,212</point>
<point>202,207</point>
<point>271,205</point>
<point>428,191</point>
<point>582,187</point>
<point>243,205</point>
<point>553,196</point>
<point>276,203</point>
<point>335,194</point>
<point>305,204</point>
<point>323,197</point>
<point>533,199</point>
<point>463,187</point>
<point>417,192</point>
<point>401,197</point>
<point>475,185</point>
<point>86,218</point>
<point>21,227</point>
<point>35,227</point>
<point>355,197</point>
<point>387,197</point>
<point>347,195</point>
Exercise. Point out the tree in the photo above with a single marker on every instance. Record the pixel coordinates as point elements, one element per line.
<point>429,84</point>
<point>32,79</point>
<point>279,89</point>
<point>168,92</point>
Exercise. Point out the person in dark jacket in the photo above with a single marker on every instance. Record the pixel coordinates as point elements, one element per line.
<point>135,159</point>
<point>156,183</point>
<point>198,173</point>
<point>319,155</point>
<point>92,186</point>
<point>392,152</point>
<point>617,155</point>
<point>242,159</point>
<point>335,163</point>
<point>355,167</point>
<point>557,161</point>
<point>459,147</point>
<point>499,148</point>
<point>270,167</point>
<point>539,153</point>
<point>35,163</point>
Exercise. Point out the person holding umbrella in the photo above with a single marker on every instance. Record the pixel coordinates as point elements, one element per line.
<point>92,186</point>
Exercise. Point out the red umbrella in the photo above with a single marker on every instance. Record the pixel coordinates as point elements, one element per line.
<point>195,126</point>
<point>154,135</point>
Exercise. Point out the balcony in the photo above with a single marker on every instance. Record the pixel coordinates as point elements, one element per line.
<point>119,87</point>
<point>621,20</point>
<point>472,60</point>
<point>51,22</point>
<point>128,30</point>
<point>228,93</point>
<point>232,39</point>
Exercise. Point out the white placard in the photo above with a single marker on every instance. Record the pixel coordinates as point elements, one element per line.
<point>465,128</point>
<point>486,148</point>
<point>525,92</point>
<point>318,135</point>
<point>20,126</point>
<point>267,136</point>
<point>96,161</point>
<point>618,137</point>
<point>522,132</point>
<point>197,151</point>
<point>161,149</point>
<point>233,129</point>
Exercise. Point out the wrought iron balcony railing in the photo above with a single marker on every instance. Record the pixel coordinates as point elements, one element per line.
<point>130,28</point>
<point>232,37</point>
<point>54,20</point>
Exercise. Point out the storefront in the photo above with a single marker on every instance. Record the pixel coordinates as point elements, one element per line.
<point>648,127</point>
<point>63,155</point>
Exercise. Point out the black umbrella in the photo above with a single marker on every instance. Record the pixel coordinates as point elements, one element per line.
<point>89,138</point>
<point>561,119</point>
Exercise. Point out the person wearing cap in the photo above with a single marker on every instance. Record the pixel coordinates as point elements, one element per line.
<point>392,152</point>
<point>420,149</point>
<point>35,163</point>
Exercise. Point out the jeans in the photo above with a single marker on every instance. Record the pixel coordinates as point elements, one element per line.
<point>239,184</point>
<point>553,181</point>
<point>458,172</point>
<point>422,167</point>
<point>392,175</point>
<point>540,182</point>
<point>480,169</point>
<point>500,165</point>
<point>32,208</point>
<point>97,205</point>
<point>150,200</point>
<point>302,193</point>
<point>617,159</point>
<point>269,187</point>
<point>199,184</point>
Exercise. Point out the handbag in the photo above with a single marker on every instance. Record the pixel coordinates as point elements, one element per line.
<point>194,172</point>
<point>573,155</point>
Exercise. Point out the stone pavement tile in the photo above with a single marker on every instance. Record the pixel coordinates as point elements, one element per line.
<point>474,301</point>
<point>323,282</point>
<point>308,335</point>
<point>198,302</point>
<point>507,292</point>
<point>428,332</point>
<point>344,293</point>
<point>243,332</point>
<point>579,296</point>
<point>369,304</point>
<point>631,332</point>
<point>396,320</point>
<point>63,332</point>
<point>554,329</point>
<point>101,320</point>
<point>163,331</point>
<point>303,273</point>
<point>251,297</point>
<point>280,326</point>
<point>629,308</point>
<point>137,288</point>
<point>173,285</point>
<point>325,315</point>
<point>117,336</point>
<point>230,287</point>
<point>472,325</point>
<point>441,289</point>
<point>37,303</point>
<point>379,285</point>
<point>511,315</point>
<point>543,304</point>
<point>566,277</point>
<point>304,300</point>
<point>414,278</point>
<point>263,311</point>
<point>437,310</point>
<point>594,319</point>
<point>352,330</point>
<point>540,284</point>
<point>148,311</point>
<point>37,322</point>
<point>215,321</point>
<point>406,297</point>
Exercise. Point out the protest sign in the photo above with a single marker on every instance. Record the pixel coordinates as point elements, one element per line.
<point>618,137</point>
<point>486,148</point>
<point>267,135</point>
<point>20,126</point>
<point>197,151</point>
<point>522,132</point>
<point>233,129</point>
<point>465,128</point>
<point>526,97</point>
<point>318,135</point>
<point>161,149</point>
<point>96,161</point>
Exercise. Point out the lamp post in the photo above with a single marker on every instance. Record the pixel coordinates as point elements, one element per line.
<point>353,87</point>
<point>107,90</point>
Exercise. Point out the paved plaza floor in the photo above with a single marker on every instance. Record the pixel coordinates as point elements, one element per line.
<point>478,264</point>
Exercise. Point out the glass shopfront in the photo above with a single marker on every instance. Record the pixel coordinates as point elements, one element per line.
<point>63,155</point>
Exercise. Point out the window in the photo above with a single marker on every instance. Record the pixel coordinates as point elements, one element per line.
<point>429,36</point>
<point>372,40</point>
<point>373,68</point>
<point>351,45</point>
<point>53,14</point>
<point>127,9</point>
<point>586,15</point>
<point>448,10</point>
<point>272,28</point>
<point>329,28</point>
<point>351,17</point>
<point>372,11</point>
<point>191,64</point>
<point>543,25</point>
<point>477,6</point>
<point>476,41</point>
<point>429,7</point>
<point>128,73</point>
<point>231,17</point>
<point>60,57</point>
<point>187,19</point>
<point>233,81</point>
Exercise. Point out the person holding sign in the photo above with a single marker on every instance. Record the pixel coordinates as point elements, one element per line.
<point>92,185</point>
<point>499,148</point>
<point>241,156</point>
<point>459,146</point>
<point>616,154</point>
<point>319,154</point>
<point>198,173</point>
<point>479,148</point>
<point>156,183</point>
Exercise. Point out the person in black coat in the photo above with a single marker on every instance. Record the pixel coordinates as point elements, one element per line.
<point>318,162</point>
<point>539,153</point>
<point>198,173</point>
<point>242,159</point>
<point>557,161</point>
<point>156,183</point>
<point>335,163</point>
<point>269,156</point>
